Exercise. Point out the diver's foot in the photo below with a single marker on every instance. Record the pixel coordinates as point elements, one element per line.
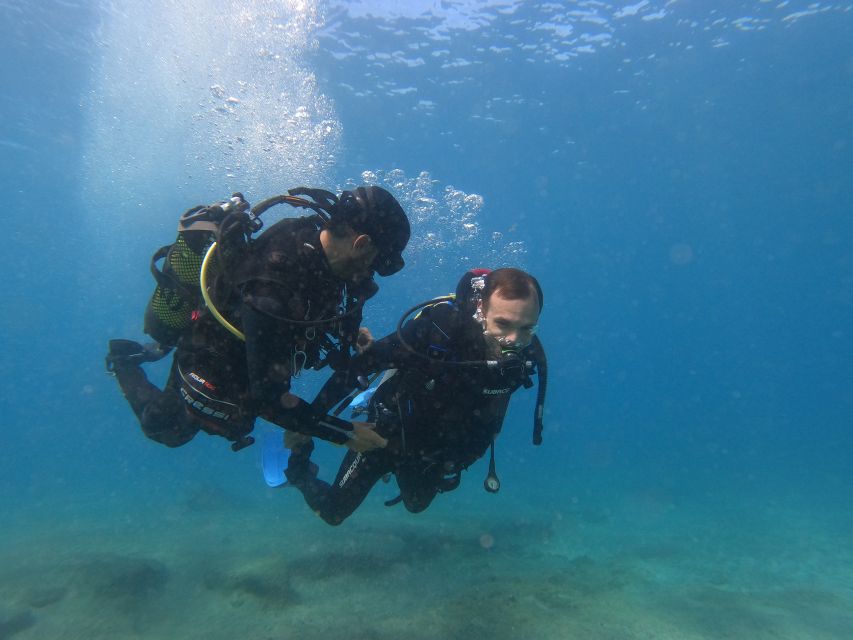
<point>128,353</point>
<point>300,469</point>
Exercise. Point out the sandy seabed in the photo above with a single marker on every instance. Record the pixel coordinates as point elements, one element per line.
<point>203,564</point>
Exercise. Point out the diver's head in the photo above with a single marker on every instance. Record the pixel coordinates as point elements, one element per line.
<point>350,253</point>
<point>377,228</point>
<point>509,307</point>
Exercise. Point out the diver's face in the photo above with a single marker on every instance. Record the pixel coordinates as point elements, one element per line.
<point>511,322</point>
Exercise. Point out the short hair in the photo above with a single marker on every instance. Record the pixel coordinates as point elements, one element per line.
<point>339,227</point>
<point>513,284</point>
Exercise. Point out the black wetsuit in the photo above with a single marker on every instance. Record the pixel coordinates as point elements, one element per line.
<point>219,383</point>
<point>438,418</point>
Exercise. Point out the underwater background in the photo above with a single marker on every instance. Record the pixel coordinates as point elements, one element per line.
<point>678,176</point>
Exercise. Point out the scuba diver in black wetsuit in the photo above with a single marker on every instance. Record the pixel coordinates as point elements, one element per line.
<point>450,372</point>
<point>289,300</point>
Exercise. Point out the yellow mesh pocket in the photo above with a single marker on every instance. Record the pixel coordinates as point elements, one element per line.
<point>184,263</point>
<point>170,309</point>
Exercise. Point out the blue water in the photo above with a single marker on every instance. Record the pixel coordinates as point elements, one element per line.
<point>677,176</point>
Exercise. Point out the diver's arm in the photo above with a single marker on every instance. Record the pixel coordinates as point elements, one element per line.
<point>346,381</point>
<point>305,419</point>
<point>433,326</point>
<point>386,353</point>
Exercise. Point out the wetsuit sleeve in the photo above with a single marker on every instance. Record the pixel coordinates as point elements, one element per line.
<point>345,381</point>
<point>304,418</point>
<point>385,353</point>
<point>421,334</point>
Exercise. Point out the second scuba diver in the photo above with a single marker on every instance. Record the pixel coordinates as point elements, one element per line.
<point>449,375</point>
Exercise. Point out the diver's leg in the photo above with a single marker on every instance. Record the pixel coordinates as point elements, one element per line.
<point>124,360</point>
<point>165,418</point>
<point>336,502</point>
<point>161,414</point>
<point>137,389</point>
<point>418,487</point>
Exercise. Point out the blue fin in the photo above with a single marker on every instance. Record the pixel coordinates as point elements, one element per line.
<point>274,457</point>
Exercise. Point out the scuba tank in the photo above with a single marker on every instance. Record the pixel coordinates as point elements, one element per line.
<point>177,297</point>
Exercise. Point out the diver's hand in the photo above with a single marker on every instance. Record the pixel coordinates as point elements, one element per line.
<point>364,340</point>
<point>365,438</point>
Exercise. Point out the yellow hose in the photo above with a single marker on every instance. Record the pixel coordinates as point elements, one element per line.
<point>209,301</point>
